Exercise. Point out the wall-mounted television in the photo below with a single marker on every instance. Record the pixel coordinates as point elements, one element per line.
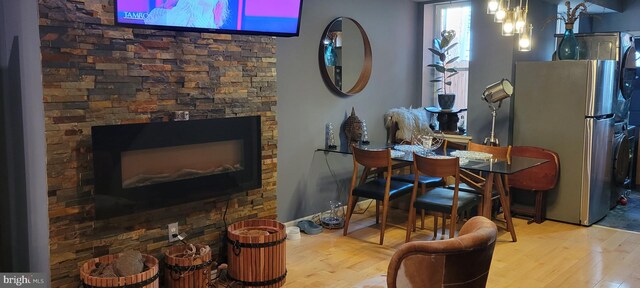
<point>255,17</point>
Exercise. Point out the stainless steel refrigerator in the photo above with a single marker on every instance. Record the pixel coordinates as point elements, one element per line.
<point>567,107</point>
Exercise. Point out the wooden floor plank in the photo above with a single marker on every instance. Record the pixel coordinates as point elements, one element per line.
<point>550,254</point>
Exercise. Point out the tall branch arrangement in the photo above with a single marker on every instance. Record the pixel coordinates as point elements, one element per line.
<point>573,14</point>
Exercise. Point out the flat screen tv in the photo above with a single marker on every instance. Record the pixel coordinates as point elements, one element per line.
<point>256,17</point>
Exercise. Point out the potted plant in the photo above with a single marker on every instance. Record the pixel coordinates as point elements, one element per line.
<point>444,67</point>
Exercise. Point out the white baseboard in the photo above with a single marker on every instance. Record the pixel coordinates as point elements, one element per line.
<point>360,206</point>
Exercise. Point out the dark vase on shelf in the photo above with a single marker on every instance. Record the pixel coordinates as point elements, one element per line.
<point>568,48</point>
<point>446,101</point>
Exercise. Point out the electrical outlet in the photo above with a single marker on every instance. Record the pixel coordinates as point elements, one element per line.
<point>173,230</point>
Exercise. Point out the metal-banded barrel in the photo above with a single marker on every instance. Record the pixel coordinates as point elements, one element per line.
<point>145,279</point>
<point>187,272</point>
<point>256,253</point>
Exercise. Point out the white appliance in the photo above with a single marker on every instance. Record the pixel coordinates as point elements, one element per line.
<point>567,107</point>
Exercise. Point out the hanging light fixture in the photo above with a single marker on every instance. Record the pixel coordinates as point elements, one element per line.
<point>492,6</point>
<point>521,20</point>
<point>501,13</point>
<point>514,21</point>
<point>524,42</point>
<point>508,26</point>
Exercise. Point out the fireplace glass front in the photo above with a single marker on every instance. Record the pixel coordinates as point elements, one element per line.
<point>146,166</point>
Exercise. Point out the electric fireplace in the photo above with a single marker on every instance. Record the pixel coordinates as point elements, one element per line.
<point>139,167</point>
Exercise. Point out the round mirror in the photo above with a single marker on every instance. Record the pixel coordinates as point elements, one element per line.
<point>345,56</point>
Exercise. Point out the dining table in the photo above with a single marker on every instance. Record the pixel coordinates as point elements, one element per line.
<point>494,171</point>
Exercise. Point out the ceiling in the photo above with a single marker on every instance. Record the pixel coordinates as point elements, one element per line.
<point>594,6</point>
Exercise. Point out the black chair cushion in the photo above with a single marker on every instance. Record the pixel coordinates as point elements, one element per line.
<point>441,200</point>
<point>374,189</point>
<point>466,188</point>
<point>423,180</point>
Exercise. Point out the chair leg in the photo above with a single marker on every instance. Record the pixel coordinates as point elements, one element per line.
<point>411,225</point>
<point>412,214</point>
<point>539,205</point>
<point>454,224</point>
<point>351,205</point>
<point>435,226</point>
<point>385,209</point>
<point>444,223</point>
<point>377,211</point>
<point>421,219</point>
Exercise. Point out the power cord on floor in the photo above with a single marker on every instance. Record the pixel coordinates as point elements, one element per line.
<point>340,188</point>
<point>333,174</point>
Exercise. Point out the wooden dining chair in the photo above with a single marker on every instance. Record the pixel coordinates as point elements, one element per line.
<point>474,182</point>
<point>425,182</point>
<point>439,200</point>
<point>381,188</point>
<point>538,180</point>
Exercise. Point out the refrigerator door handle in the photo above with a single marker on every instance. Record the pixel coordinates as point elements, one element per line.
<point>602,117</point>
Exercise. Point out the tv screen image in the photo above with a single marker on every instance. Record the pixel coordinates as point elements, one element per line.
<point>261,17</point>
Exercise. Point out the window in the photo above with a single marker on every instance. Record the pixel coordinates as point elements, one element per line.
<point>453,16</point>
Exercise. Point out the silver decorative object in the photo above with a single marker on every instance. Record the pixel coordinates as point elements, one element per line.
<point>365,134</point>
<point>331,137</point>
<point>334,218</point>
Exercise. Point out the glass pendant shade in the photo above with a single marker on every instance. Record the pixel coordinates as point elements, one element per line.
<point>492,6</point>
<point>501,13</point>
<point>524,42</point>
<point>521,20</point>
<point>508,26</point>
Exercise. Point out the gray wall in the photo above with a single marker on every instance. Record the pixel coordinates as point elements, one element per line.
<point>25,247</point>
<point>493,58</point>
<point>305,104</point>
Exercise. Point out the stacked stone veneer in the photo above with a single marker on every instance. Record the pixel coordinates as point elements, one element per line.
<point>95,73</point>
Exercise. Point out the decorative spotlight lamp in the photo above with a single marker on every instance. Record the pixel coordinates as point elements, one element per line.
<point>493,94</point>
<point>513,20</point>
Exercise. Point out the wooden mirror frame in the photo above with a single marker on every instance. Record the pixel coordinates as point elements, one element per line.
<point>365,73</point>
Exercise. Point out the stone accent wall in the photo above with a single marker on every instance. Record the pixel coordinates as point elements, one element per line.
<point>95,73</point>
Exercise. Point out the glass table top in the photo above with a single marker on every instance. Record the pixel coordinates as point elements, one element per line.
<point>490,165</point>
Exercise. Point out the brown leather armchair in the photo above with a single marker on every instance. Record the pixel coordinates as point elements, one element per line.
<point>459,262</point>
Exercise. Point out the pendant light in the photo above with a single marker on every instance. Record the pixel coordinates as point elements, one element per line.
<point>501,13</point>
<point>508,25</point>
<point>492,6</point>
<point>521,20</point>
<point>524,42</point>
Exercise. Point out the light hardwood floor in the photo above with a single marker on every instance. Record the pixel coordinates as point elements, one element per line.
<point>550,254</point>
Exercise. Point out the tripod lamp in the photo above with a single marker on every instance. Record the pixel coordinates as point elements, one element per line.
<point>493,94</point>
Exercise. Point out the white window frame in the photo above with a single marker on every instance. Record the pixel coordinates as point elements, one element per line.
<point>432,29</point>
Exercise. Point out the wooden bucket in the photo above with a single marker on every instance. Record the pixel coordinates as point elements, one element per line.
<point>187,272</point>
<point>146,279</point>
<point>256,252</point>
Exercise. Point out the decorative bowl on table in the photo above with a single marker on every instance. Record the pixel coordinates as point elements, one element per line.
<point>471,155</point>
<point>397,153</point>
<point>430,142</point>
<point>408,148</point>
<point>462,160</point>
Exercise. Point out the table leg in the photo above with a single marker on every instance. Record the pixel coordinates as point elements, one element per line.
<point>506,206</point>
<point>486,198</point>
